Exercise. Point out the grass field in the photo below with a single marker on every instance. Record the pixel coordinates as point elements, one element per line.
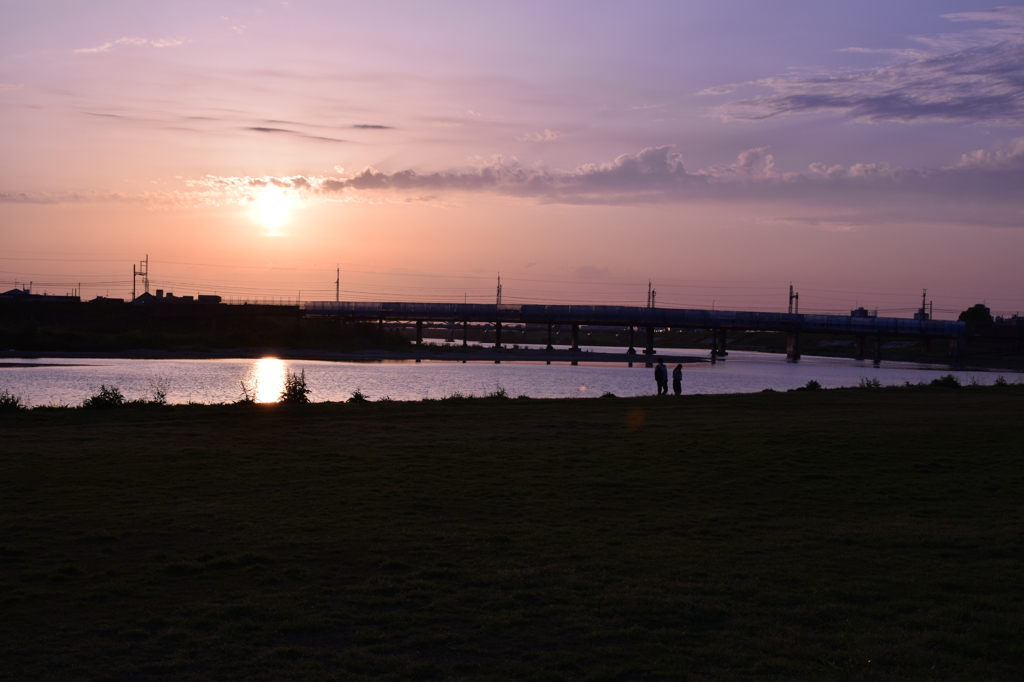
<point>861,534</point>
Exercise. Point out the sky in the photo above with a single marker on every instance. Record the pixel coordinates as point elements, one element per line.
<point>414,151</point>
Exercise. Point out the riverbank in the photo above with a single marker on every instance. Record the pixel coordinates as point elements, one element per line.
<point>868,534</point>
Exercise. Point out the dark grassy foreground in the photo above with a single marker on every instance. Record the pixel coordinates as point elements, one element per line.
<point>850,534</point>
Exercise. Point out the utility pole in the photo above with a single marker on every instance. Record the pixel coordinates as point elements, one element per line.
<point>924,312</point>
<point>651,293</point>
<point>791,297</point>
<point>337,283</point>
<point>143,272</point>
<point>499,288</point>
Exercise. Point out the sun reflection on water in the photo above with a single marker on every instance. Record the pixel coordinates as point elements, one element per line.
<point>266,378</point>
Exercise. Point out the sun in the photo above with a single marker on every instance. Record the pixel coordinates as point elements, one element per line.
<point>273,207</point>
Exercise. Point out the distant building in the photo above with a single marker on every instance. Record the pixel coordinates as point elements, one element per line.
<point>27,295</point>
<point>166,299</point>
<point>863,312</point>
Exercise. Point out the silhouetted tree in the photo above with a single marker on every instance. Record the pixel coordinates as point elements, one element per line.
<point>978,314</point>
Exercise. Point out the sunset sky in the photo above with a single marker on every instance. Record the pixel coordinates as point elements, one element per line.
<point>862,151</point>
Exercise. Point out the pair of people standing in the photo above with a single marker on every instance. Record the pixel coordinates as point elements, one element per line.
<point>661,377</point>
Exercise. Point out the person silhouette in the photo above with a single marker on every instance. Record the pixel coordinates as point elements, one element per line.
<point>661,377</point>
<point>677,379</point>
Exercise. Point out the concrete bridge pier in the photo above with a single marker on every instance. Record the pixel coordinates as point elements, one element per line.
<point>632,350</point>
<point>497,335</point>
<point>380,324</point>
<point>550,336</point>
<point>926,343</point>
<point>859,347</point>
<point>650,340</point>
<point>720,339</point>
<point>878,349</point>
<point>419,332</point>
<point>451,333</point>
<point>465,334</point>
<point>575,337</point>
<point>793,346</point>
<point>958,347</point>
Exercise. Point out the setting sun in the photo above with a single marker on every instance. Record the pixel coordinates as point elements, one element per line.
<point>272,207</point>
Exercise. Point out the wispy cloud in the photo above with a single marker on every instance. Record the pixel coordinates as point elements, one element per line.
<point>295,133</point>
<point>974,76</point>
<point>132,42</point>
<point>11,86</point>
<point>547,136</point>
<point>592,272</point>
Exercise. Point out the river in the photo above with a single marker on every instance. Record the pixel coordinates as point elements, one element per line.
<point>62,381</point>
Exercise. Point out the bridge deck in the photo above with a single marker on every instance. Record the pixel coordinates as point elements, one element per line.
<point>637,316</point>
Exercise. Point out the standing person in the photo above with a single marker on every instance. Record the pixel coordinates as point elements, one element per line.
<point>677,379</point>
<point>661,377</point>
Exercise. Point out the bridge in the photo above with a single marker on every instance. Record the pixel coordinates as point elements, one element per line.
<point>864,329</point>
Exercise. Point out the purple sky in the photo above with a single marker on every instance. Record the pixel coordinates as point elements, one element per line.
<point>862,151</point>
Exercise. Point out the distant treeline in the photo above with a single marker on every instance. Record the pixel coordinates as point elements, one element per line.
<point>45,326</point>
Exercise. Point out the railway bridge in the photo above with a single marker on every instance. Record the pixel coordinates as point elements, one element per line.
<point>867,331</point>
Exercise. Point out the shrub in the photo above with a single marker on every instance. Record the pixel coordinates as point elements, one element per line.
<point>870,383</point>
<point>385,399</point>
<point>158,389</point>
<point>499,393</point>
<point>105,398</point>
<point>295,388</point>
<point>812,385</point>
<point>608,394</point>
<point>1001,381</point>
<point>10,402</point>
<point>948,381</point>
<point>248,393</point>
<point>358,396</point>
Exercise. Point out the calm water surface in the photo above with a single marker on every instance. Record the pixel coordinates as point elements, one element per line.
<point>70,381</point>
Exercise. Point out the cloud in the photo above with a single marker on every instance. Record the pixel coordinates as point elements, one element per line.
<point>751,164</point>
<point>970,77</point>
<point>11,86</point>
<point>546,136</point>
<point>592,272</point>
<point>296,133</point>
<point>368,126</point>
<point>656,170</point>
<point>981,187</point>
<point>999,159</point>
<point>132,41</point>
<point>445,124</point>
